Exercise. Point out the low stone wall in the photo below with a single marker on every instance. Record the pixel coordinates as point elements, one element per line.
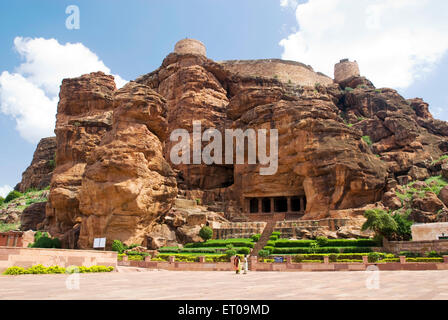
<point>179,266</point>
<point>287,266</point>
<point>238,230</point>
<point>415,246</point>
<point>27,257</point>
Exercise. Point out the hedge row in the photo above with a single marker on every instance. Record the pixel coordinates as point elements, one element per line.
<point>282,243</point>
<point>239,250</point>
<point>222,243</point>
<point>276,250</point>
<point>190,258</point>
<point>333,257</point>
<point>40,269</point>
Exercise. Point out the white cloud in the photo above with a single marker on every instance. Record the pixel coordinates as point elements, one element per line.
<point>395,42</point>
<point>30,95</point>
<point>5,190</point>
<point>289,3</point>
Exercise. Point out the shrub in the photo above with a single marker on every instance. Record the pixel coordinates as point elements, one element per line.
<point>255,237</point>
<point>14,271</point>
<point>118,246</point>
<point>290,243</point>
<point>264,253</point>
<point>332,257</point>
<point>409,254</point>
<point>206,233</point>
<point>136,257</point>
<point>2,200</point>
<point>244,251</point>
<point>367,140</point>
<point>432,259</point>
<point>43,241</point>
<point>373,257</point>
<point>40,269</point>
<point>348,89</point>
<point>137,253</point>
<point>12,195</point>
<point>169,249</point>
<point>403,232</point>
<point>356,250</point>
<point>298,258</point>
<point>230,253</point>
<point>273,237</point>
<point>196,250</point>
<point>322,241</point>
<point>432,254</point>
<point>221,243</point>
<point>276,233</point>
<point>270,249</point>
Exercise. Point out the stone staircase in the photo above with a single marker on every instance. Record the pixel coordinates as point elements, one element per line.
<point>264,237</point>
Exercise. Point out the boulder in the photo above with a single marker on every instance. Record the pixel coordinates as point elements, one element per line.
<point>32,216</point>
<point>429,203</point>
<point>443,195</point>
<point>391,200</point>
<point>197,219</point>
<point>418,173</point>
<point>161,235</point>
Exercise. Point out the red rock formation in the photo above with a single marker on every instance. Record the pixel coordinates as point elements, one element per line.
<point>38,174</point>
<point>84,116</point>
<point>127,183</point>
<point>342,149</point>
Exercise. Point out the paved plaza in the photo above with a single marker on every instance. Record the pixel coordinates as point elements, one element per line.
<point>131,283</point>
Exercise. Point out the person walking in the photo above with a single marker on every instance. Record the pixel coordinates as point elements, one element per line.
<point>237,264</point>
<point>246,264</point>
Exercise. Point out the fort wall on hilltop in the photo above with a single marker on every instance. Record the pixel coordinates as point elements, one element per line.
<point>286,71</point>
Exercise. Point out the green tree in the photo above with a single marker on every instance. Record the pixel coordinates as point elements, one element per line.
<point>1,200</point>
<point>118,246</point>
<point>206,233</point>
<point>380,222</point>
<point>403,232</point>
<point>13,195</point>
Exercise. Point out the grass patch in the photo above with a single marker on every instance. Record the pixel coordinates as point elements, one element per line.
<point>5,227</point>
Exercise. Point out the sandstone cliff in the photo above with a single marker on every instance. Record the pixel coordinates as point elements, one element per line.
<point>38,174</point>
<point>342,146</point>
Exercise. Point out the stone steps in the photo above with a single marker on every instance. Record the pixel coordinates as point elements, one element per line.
<point>264,238</point>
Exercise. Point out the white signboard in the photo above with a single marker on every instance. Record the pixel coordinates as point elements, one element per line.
<point>99,243</point>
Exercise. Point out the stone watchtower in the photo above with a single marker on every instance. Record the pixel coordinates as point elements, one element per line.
<point>345,69</point>
<point>190,46</point>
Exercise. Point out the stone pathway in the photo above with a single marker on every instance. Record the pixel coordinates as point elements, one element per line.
<point>130,284</point>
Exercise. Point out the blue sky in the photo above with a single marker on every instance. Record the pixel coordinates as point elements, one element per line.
<point>131,38</point>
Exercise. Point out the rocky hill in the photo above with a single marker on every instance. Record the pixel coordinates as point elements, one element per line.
<point>343,146</point>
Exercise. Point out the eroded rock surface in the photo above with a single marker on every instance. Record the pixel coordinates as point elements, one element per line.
<point>38,174</point>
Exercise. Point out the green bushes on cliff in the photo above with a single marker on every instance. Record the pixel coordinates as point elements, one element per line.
<point>12,195</point>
